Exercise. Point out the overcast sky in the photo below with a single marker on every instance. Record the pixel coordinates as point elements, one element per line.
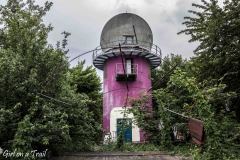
<point>85,19</point>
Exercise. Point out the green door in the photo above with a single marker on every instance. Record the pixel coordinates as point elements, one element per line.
<point>126,125</point>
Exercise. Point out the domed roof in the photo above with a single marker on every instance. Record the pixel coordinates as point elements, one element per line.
<point>129,34</point>
<point>126,24</point>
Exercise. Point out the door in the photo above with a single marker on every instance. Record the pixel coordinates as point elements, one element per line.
<point>129,66</point>
<point>126,125</point>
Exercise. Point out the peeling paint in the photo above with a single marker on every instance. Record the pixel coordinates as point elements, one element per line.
<point>117,96</point>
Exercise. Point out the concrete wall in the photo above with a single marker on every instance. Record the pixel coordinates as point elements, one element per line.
<point>115,92</point>
<point>116,113</point>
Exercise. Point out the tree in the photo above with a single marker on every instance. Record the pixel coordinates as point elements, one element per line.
<point>218,55</point>
<point>160,79</point>
<point>84,80</point>
<point>24,72</point>
<point>161,75</point>
<point>184,95</point>
<point>38,107</point>
<point>149,120</point>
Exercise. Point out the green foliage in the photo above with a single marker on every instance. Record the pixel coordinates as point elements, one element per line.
<point>42,128</point>
<point>125,124</point>
<point>85,85</point>
<point>146,119</point>
<point>83,128</point>
<point>40,107</point>
<point>69,117</point>
<point>24,72</point>
<point>120,139</point>
<point>184,95</point>
<point>161,76</point>
<point>216,69</point>
<point>86,81</point>
<point>218,55</point>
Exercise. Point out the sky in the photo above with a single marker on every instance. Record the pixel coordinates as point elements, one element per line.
<point>85,19</point>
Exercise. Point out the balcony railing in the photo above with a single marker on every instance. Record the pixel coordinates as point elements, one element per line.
<point>135,46</point>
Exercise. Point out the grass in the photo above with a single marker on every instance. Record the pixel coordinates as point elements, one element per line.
<point>184,150</point>
<point>127,147</point>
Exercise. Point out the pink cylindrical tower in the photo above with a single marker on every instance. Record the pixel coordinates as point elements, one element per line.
<point>126,56</point>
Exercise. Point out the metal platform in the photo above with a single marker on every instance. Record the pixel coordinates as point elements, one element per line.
<point>147,50</point>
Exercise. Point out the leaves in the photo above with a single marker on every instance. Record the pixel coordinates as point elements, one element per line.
<point>31,68</point>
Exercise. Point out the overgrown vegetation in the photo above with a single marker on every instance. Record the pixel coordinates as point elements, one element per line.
<point>45,104</point>
<point>42,104</point>
<point>205,87</point>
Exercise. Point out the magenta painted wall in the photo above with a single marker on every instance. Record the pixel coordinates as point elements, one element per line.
<point>115,92</point>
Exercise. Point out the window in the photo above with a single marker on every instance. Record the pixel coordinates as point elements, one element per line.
<point>129,39</point>
<point>129,66</point>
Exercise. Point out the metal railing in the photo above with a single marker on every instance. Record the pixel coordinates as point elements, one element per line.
<point>135,46</point>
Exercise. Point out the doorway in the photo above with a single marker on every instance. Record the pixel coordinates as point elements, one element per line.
<point>126,125</point>
<point>129,66</point>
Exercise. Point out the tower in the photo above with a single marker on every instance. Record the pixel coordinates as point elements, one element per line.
<point>126,55</point>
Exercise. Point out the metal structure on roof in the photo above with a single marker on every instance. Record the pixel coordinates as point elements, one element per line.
<point>133,34</point>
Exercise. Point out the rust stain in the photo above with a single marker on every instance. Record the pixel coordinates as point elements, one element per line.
<point>196,131</point>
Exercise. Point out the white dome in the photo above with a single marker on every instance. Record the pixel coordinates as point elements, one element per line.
<point>133,34</point>
<point>126,24</point>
